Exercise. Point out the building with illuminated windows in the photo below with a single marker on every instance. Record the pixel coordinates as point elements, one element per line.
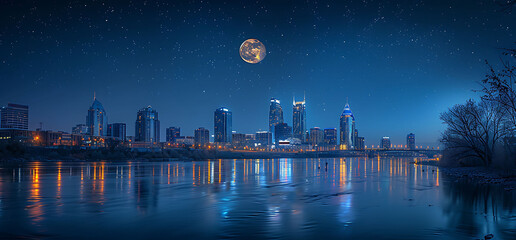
<point>172,133</point>
<point>299,120</point>
<point>347,129</point>
<point>330,136</point>
<point>80,129</point>
<point>385,143</point>
<point>14,116</point>
<point>275,114</point>
<point>117,130</point>
<point>201,137</point>
<point>316,136</point>
<point>223,121</point>
<point>264,138</point>
<point>411,141</point>
<point>147,126</point>
<point>97,120</point>
<point>283,131</point>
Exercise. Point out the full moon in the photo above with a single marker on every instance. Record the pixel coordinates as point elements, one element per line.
<point>252,51</point>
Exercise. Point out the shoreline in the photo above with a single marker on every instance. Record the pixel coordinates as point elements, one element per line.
<point>483,175</point>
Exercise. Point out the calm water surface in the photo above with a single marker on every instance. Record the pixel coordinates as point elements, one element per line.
<point>357,198</point>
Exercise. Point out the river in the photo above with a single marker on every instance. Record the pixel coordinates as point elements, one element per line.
<point>358,198</point>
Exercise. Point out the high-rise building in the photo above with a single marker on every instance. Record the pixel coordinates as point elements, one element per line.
<point>223,125</point>
<point>385,143</point>
<point>173,133</point>
<point>330,136</point>
<point>283,132</point>
<point>360,143</point>
<point>316,136</point>
<point>411,141</point>
<point>15,116</point>
<point>275,114</point>
<point>299,120</point>
<point>81,129</point>
<point>97,121</point>
<point>201,137</point>
<point>147,126</point>
<point>264,138</point>
<point>347,129</point>
<point>117,130</point>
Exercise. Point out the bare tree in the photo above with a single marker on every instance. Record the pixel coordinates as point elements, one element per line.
<point>474,130</point>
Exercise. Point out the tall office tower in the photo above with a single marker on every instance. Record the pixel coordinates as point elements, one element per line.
<point>223,125</point>
<point>173,133</point>
<point>385,143</point>
<point>360,143</point>
<point>201,137</point>
<point>316,136</point>
<point>81,129</point>
<point>117,130</point>
<point>264,138</point>
<point>330,136</point>
<point>283,132</point>
<point>275,114</point>
<point>299,120</point>
<point>14,116</point>
<point>147,126</point>
<point>411,141</point>
<point>97,121</point>
<point>347,129</point>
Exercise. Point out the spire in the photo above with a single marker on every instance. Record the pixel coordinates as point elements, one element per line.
<point>304,96</point>
<point>94,96</point>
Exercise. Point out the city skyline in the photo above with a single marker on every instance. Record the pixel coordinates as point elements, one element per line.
<point>404,63</point>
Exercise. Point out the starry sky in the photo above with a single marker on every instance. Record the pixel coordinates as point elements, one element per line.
<point>399,63</point>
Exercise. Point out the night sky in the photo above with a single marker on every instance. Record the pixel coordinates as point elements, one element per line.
<point>399,63</point>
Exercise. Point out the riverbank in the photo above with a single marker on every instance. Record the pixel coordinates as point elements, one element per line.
<point>483,175</point>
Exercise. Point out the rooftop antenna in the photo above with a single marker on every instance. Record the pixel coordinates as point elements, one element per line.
<point>304,96</point>
<point>94,95</point>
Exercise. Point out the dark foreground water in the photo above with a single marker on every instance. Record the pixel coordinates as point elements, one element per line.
<point>284,198</point>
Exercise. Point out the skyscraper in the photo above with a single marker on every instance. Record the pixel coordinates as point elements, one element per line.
<point>201,137</point>
<point>347,129</point>
<point>117,130</point>
<point>411,141</point>
<point>147,126</point>
<point>330,136</point>
<point>97,121</point>
<point>14,116</point>
<point>316,136</point>
<point>283,132</point>
<point>223,125</point>
<point>360,143</point>
<point>299,120</point>
<point>385,143</point>
<point>173,133</point>
<point>275,114</point>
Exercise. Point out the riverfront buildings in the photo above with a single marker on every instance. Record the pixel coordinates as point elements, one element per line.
<point>96,120</point>
<point>330,136</point>
<point>411,141</point>
<point>117,130</point>
<point>299,120</point>
<point>347,129</point>
<point>201,137</point>
<point>275,114</point>
<point>385,143</point>
<point>223,125</point>
<point>283,132</point>
<point>14,116</point>
<point>80,129</point>
<point>316,136</point>
<point>172,133</point>
<point>147,126</point>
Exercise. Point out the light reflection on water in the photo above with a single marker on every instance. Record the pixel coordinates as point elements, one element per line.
<point>267,198</point>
